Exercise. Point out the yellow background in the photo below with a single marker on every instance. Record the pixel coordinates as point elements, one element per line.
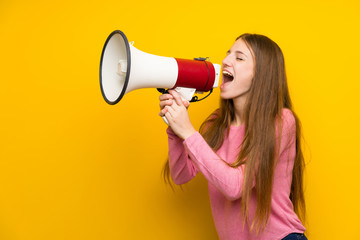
<point>73,167</point>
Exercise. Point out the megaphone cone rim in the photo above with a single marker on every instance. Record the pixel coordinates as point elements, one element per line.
<point>127,71</point>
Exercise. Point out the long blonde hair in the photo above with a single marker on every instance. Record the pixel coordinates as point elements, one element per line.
<point>267,97</point>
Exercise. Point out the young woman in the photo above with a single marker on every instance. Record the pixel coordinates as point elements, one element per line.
<point>248,150</point>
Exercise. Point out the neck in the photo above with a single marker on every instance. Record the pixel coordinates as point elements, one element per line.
<point>239,104</point>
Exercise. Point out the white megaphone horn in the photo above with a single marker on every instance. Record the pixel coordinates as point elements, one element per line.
<point>123,68</point>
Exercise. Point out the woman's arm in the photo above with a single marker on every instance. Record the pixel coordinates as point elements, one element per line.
<point>226,179</point>
<point>182,169</point>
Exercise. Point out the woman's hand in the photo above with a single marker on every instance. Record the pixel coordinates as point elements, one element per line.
<point>175,111</point>
<point>168,100</point>
<point>165,100</point>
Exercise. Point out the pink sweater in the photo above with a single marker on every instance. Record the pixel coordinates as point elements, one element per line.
<point>192,155</point>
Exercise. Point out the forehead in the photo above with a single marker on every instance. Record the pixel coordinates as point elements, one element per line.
<point>241,47</point>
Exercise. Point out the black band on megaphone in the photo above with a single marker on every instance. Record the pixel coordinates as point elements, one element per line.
<point>207,82</point>
<point>108,80</point>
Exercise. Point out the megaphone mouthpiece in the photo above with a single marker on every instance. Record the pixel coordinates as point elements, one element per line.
<point>122,67</point>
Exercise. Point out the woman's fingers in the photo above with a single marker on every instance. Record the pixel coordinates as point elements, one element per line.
<point>177,97</point>
<point>165,100</point>
<point>165,103</point>
<point>165,96</point>
<point>162,112</point>
<point>186,103</point>
<point>166,112</point>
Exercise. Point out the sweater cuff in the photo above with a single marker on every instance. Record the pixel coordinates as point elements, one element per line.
<point>194,140</point>
<point>169,131</point>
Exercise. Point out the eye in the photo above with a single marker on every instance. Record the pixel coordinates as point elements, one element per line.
<point>239,59</point>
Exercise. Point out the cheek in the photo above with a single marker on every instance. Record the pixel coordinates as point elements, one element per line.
<point>245,79</point>
<point>250,79</point>
<point>249,76</point>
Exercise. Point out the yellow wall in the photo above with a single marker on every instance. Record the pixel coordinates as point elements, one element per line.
<point>73,167</point>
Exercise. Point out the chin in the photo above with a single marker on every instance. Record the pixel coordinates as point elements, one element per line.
<point>225,96</point>
<point>233,95</point>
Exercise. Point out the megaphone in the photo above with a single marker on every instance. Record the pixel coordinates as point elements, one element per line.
<point>123,68</point>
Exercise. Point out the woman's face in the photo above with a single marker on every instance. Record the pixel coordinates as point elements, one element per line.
<point>238,71</point>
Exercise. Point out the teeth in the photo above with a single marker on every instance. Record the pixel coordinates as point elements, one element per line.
<point>226,73</point>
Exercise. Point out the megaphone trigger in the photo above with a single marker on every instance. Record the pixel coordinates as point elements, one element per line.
<point>185,93</point>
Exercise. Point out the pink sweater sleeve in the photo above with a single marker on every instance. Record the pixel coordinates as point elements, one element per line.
<point>182,169</point>
<point>226,179</point>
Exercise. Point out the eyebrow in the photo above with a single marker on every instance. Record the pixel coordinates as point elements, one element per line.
<point>237,51</point>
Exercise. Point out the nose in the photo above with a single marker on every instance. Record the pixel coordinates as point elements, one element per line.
<point>226,61</point>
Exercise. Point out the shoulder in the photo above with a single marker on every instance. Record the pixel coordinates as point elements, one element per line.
<point>287,114</point>
<point>287,124</point>
<point>288,118</point>
<point>214,114</point>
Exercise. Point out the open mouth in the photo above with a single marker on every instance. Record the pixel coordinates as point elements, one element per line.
<point>227,77</point>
